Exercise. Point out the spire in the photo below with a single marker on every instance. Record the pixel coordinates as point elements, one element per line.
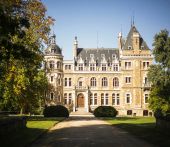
<point>75,47</point>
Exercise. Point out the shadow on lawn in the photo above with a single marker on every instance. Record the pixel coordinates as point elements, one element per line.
<point>21,138</point>
<point>120,118</point>
<point>148,132</point>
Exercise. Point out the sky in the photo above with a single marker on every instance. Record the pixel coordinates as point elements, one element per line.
<point>98,22</point>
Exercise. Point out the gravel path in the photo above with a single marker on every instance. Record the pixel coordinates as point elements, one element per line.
<point>87,132</point>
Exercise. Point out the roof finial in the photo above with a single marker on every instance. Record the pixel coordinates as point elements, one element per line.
<point>133,21</point>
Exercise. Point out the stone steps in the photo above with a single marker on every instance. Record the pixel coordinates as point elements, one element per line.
<point>81,112</point>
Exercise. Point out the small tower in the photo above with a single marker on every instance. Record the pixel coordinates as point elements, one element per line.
<point>54,64</point>
<point>120,40</point>
<point>75,47</point>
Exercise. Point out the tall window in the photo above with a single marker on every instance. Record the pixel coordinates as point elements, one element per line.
<point>69,82</point>
<point>91,99</point>
<point>59,80</point>
<point>103,67</point>
<point>92,67</point>
<point>65,82</point>
<point>115,99</point>
<point>128,65</point>
<point>95,99</point>
<point>115,67</point>
<point>145,65</point>
<point>52,78</point>
<point>70,98</point>
<point>58,65</point>
<point>51,95</point>
<point>104,99</point>
<point>128,98</point>
<point>104,82</point>
<point>115,82</point>
<point>146,97</point>
<point>80,67</point>
<point>128,80</point>
<point>93,82</point>
<point>51,64</point>
<point>65,98</point>
<point>67,67</point>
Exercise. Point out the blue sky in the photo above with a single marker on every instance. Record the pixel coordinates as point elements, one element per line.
<point>87,18</point>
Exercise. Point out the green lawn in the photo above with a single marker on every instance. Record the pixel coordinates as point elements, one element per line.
<point>144,128</point>
<point>35,127</point>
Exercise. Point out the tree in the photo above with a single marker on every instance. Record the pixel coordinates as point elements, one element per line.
<point>159,75</point>
<point>25,27</point>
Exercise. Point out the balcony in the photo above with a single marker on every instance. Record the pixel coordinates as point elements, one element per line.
<point>81,87</point>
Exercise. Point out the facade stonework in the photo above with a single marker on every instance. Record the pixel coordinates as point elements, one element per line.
<point>102,76</point>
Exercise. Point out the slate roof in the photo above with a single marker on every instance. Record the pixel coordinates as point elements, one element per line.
<point>53,48</point>
<point>128,41</point>
<point>97,52</point>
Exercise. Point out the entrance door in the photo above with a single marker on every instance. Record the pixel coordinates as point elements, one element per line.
<point>80,100</point>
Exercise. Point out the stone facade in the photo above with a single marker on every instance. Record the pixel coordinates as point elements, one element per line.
<point>101,76</point>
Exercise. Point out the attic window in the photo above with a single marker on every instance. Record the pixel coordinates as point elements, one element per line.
<point>129,47</point>
<point>52,50</point>
<point>142,47</point>
<point>113,56</point>
<point>91,55</point>
<point>102,55</point>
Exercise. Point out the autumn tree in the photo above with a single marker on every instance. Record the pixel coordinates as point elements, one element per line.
<point>24,27</point>
<point>159,75</point>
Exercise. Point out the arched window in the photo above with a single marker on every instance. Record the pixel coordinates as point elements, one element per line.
<point>65,82</point>
<point>102,99</point>
<point>115,82</point>
<point>104,82</point>
<point>69,83</point>
<point>51,95</point>
<point>58,65</point>
<point>51,64</point>
<point>70,98</point>
<point>65,98</point>
<point>95,99</point>
<point>93,82</point>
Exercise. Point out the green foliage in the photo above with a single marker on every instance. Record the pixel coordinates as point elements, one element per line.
<point>24,27</point>
<point>56,111</point>
<point>159,75</point>
<point>105,111</point>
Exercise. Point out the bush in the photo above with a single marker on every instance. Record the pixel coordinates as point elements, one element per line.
<point>56,111</point>
<point>105,111</point>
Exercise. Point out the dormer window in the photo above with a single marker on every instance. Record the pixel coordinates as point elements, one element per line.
<point>113,56</point>
<point>52,50</point>
<point>85,62</point>
<point>51,64</point>
<point>102,55</point>
<point>129,47</point>
<point>91,55</point>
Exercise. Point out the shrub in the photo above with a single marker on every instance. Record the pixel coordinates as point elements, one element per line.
<point>105,111</point>
<point>56,111</point>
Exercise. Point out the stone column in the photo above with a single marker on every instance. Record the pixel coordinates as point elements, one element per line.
<point>74,100</point>
<point>87,101</point>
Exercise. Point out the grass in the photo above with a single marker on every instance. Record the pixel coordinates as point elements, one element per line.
<point>36,126</point>
<point>144,128</point>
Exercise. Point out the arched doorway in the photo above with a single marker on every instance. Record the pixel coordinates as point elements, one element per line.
<point>80,100</point>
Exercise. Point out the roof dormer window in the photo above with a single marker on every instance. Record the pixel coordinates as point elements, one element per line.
<point>91,55</point>
<point>113,56</point>
<point>129,47</point>
<point>142,47</point>
<point>102,55</point>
